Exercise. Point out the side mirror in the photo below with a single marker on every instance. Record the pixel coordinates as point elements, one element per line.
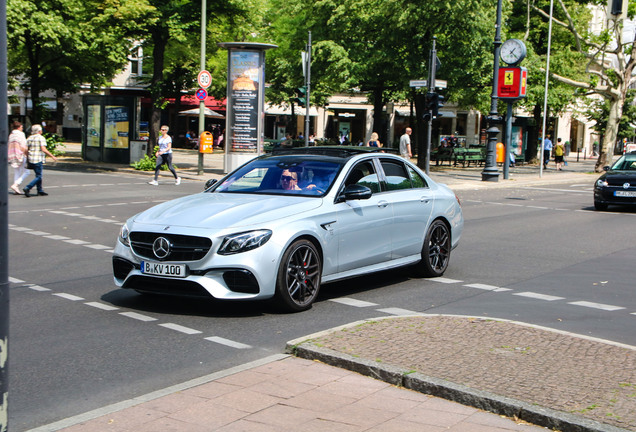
<point>209,184</point>
<point>606,168</point>
<point>356,192</point>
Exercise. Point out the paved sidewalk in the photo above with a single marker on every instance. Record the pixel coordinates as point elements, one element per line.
<point>425,373</point>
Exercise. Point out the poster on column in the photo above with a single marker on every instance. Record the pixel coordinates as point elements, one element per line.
<point>244,83</point>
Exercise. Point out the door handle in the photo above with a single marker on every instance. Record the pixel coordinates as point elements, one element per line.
<point>383,204</point>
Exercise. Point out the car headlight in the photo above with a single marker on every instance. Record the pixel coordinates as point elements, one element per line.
<point>601,183</point>
<point>124,235</point>
<point>243,242</point>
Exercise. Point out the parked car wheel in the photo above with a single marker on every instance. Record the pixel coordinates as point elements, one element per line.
<point>436,251</point>
<point>299,276</point>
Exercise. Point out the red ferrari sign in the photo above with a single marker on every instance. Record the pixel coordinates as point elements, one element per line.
<point>512,82</point>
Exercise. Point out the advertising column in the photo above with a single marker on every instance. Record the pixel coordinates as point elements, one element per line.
<point>244,130</point>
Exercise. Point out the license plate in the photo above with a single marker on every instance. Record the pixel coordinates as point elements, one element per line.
<point>625,193</point>
<point>162,269</point>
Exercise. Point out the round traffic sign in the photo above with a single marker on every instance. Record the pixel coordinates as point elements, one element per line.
<point>202,94</point>
<point>205,79</point>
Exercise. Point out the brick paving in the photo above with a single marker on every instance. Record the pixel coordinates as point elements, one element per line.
<point>295,394</point>
<point>582,376</point>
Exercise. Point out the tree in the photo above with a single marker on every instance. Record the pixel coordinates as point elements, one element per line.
<point>377,46</point>
<point>177,25</point>
<point>60,44</point>
<point>609,61</point>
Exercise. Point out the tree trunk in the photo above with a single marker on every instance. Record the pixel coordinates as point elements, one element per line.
<point>378,115</point>
<point>611,132</point>
<point>158,53</point>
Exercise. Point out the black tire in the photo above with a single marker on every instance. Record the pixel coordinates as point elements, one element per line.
<point>298,280</point>
<point>435,251</point>
<point>600,206</point>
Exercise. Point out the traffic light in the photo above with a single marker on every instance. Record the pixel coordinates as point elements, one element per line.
<point>434,101</point>
<point>301,99</point>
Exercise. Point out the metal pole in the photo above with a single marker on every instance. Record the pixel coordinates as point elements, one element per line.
<point>431,85</point>
<point>507,139</point>
<point>490,172</point>
<point>308,83</point>
<point>202,67</point>
<point>4,228</point>
<point>545,95</point>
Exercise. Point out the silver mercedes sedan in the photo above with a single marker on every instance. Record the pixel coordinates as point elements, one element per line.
<point>284,223</point>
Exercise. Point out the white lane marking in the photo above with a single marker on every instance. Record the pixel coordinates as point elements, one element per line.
<point>228,342</point>
<point>98,246</point>
<point>180,328</point>
<point>398,311</point>
<point>38,288</point>
<point>56,237</point>
<point>76,242</point>
<point>487,287</point>
<point>445,280</point>
<point>353,302</point>
<point>102,306</point>
<point>68,296</point>
<point>24,229</point>
<point>38,233</point>
<point>137,316</point>
<point>538,296</point>
<point>118,204</point>
<point>557,190</point>
<point>15,280</point>
<point>593,305</point>
<point>538,207</point>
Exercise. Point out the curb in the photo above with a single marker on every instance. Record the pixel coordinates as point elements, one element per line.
<point>484,400</point>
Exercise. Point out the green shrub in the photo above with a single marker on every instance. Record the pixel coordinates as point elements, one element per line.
<point>148,163</point>
<point>53,141</point>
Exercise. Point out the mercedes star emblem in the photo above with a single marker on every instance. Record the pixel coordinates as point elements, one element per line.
<point>161,247</point>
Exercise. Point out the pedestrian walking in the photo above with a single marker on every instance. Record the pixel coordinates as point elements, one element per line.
<point>559,151</point>
<point>36,157</point>
<point>17,158</point>
<point>547,149</point>
<point>405,144</point>
<point>164,156</point>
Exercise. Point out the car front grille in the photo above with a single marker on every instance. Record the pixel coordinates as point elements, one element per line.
<point>182,247</point>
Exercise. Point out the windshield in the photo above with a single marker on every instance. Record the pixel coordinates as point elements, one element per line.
<point>625,163</point>
<point>291,175</point>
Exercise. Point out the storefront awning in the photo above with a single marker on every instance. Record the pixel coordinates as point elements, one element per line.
<point>281,110</point>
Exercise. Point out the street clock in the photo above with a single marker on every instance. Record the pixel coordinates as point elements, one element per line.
<point>513,51</point>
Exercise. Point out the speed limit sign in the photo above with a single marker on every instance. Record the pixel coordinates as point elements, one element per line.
<point>205,79</point>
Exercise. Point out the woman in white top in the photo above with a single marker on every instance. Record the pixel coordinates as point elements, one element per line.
<point>17,156</point>
<point>164,156</point>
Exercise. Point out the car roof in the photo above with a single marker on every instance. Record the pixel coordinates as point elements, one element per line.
<point>343,152</point>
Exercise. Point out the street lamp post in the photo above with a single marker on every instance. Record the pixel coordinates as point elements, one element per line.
<point>202,102</point>
<point>490,172</point>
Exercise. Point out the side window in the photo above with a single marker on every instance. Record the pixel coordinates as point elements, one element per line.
<point>417,179</point>
<point>396,175</point>
<point>364,174</point>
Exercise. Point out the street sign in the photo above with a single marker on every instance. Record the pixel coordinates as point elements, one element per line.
<point>441,84</point>
<point>204,79</point>
<point>201,94</point>
<point>512,83</point>
<point>418,83</point>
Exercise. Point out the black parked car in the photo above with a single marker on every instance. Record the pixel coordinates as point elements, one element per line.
<point>617,186</point>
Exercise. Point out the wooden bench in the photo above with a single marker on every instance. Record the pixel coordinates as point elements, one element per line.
<point>470,155</point>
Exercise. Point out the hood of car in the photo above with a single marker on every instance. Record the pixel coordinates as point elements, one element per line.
<point>225,210</point>
<point>619,177</point>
